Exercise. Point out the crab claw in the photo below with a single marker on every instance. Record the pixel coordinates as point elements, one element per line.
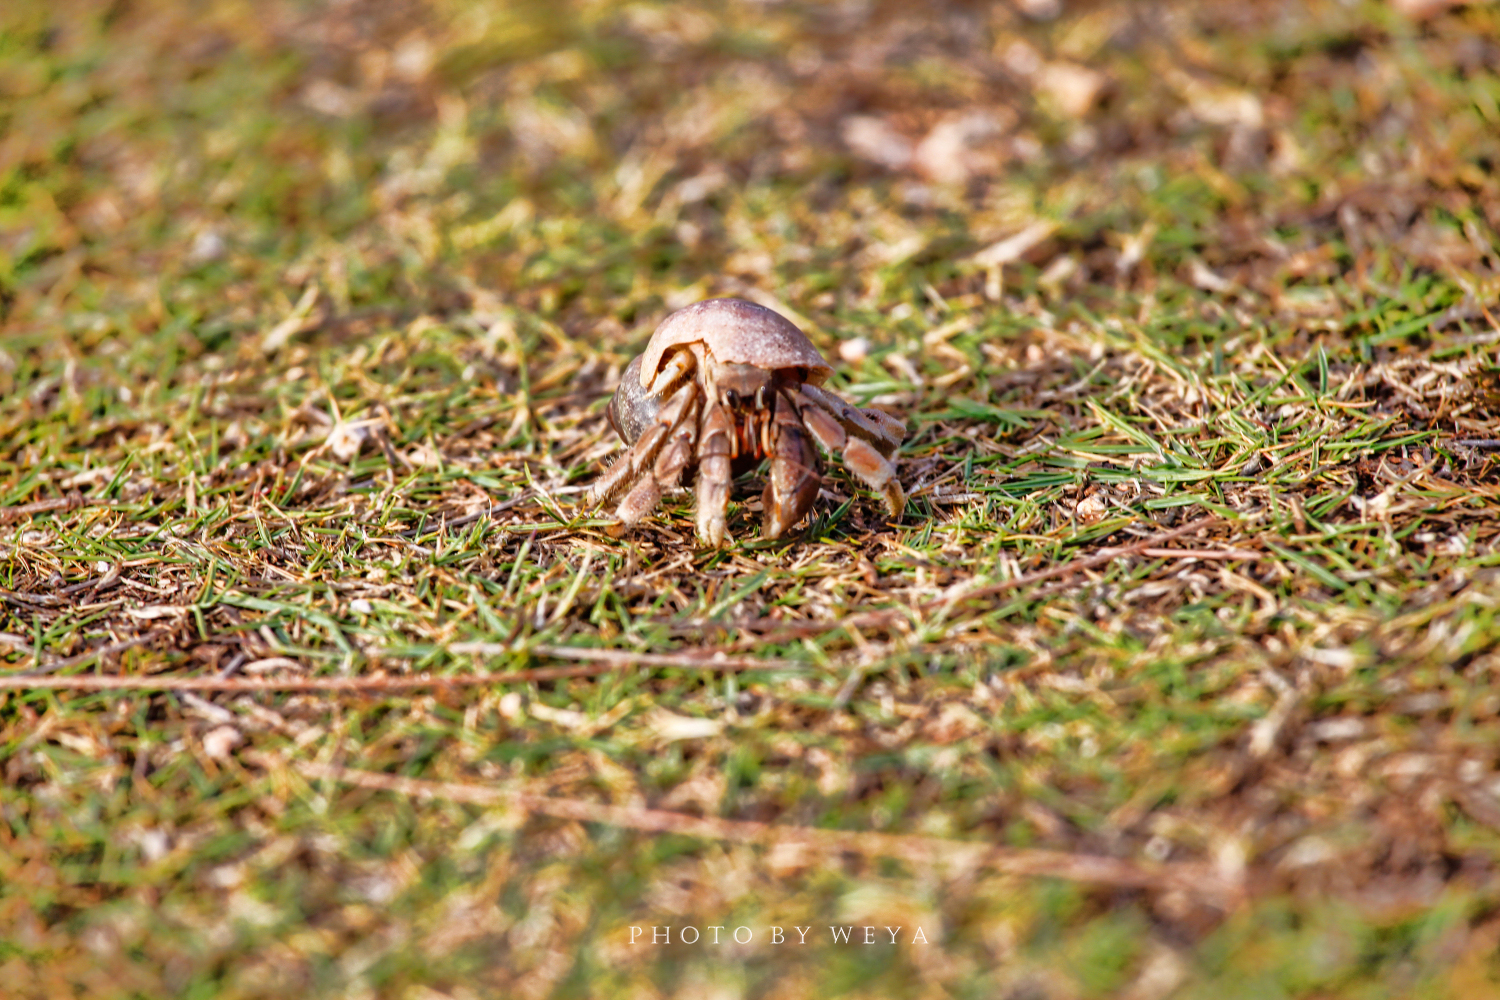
<point>792,485</point>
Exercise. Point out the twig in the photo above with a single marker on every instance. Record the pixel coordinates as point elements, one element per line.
<point>93,586</point>
<point>1202,554</point>
<point>620,658</point>
<point>70,502</point>
<point>28,678</point>
<point>611,661</point>
<point>21,598</point>
<point>463,519</point>
<point>1198,879</point>
<point>253,684</point>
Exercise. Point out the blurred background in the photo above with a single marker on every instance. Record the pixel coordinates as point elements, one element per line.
<point>598,162</point>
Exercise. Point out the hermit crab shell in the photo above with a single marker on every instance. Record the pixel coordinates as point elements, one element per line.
<point>735,332</point>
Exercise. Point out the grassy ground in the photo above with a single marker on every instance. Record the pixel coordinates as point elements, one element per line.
<point>1177,678</point>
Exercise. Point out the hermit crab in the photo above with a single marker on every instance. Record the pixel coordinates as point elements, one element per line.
<point>721,385</point>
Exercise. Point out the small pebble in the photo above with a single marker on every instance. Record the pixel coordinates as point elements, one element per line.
<point>854,351</point>
<point>220,740</point>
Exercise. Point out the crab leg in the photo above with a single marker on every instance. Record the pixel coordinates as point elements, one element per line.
<point>881,429</point>
<point>665,473</point>
<point>862,458</point>
<point>792,485</point>
<point>628,467</point>
<point>715,450</point>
